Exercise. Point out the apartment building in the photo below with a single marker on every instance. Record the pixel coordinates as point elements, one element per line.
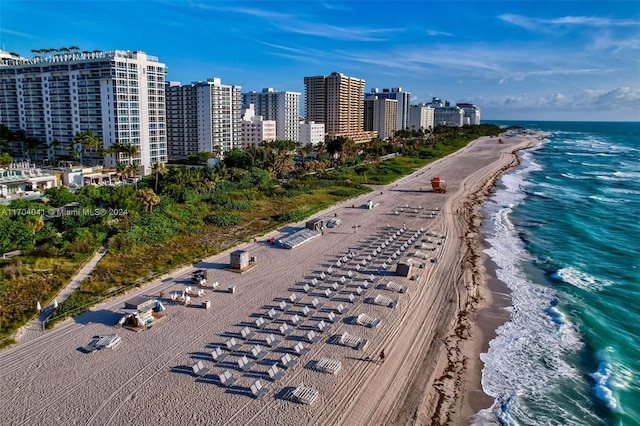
<point>471,113</point>
<point>255,129</point>
<point>381,116</point>
<point>403,101</point>
<point>421,116</point>
<point>204,116</point>
<point>337,101</point>
<point>445,114</point>
<point>118,95</point>
<point>282,107</point>
<point>311,133</point>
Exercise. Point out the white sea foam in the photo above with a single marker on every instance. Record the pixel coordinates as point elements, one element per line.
<point>605,385</point>
<point>580,279</point>
<point>606,199</point>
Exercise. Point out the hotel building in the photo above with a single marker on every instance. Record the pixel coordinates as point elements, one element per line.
<point>471,113</point>
<point>421,116</point>
<point>204,116</point>
<point>403,99</point>
<point>118,95</point>
<point>311,133</point>
<point>337,101</point>
<point>381,115</point>
<point>255,129</point>
<point>282,107</point>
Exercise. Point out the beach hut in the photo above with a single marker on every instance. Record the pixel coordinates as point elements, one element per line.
<point>239,259</point>
<point>314,224</point>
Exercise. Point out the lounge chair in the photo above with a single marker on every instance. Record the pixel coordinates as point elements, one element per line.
<point>271,341</point>
<point>283,306</point>
<point>260,323</point>
<point>322,326</point>
<point>232,345</point>
<point>295,320</point>
<point>275,374</point>
<point>300,350</point>
<point>245,364</point>
<point>306,288</point>
<point>247,334</point>
<point>341,309</point>
<point>226,379</point>
<point>287,362</point>
<point>257,390</point>
<point>199,369</point>
<point>218,356</point>
<point>273,314</point>
<point>332,317</point>
<point>316,304</point>
<point>285,330</point>
<point>306,312</point>
<point>294,298</point>
<point>312,337</point>
<point>258,353</point>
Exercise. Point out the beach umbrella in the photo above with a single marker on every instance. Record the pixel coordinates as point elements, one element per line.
<point>38,307</point>
<point>55,303</point>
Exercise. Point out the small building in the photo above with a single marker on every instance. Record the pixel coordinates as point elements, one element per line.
<point>315,224</point>
<point>239,259</point>
<point>141,311</point>
<point>403,269</point>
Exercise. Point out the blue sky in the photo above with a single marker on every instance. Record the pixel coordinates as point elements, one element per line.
<point>554,60</point>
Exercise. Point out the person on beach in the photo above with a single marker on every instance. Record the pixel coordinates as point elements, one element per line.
<point>382,355</point>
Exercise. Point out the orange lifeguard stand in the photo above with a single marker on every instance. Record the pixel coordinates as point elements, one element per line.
<point>438,185</point>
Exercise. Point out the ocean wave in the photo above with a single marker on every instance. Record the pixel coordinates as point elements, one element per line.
<point>605,384</point>
<point>582,280</point>
<point>607,200</point>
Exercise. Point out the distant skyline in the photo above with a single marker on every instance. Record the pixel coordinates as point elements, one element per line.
<point>517,60</point>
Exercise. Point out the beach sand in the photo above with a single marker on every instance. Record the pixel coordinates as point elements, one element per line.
<point>431,374</point>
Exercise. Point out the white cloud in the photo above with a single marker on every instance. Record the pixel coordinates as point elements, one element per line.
<point>531,23</point>
<point>17,33</point>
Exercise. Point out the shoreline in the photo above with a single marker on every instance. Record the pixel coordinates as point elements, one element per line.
<point>416,335</point>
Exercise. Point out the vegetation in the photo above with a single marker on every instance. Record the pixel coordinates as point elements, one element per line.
<point>178,214</point>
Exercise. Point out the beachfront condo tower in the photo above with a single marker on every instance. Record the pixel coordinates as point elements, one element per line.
<point>381,115</point>
<point>204,116</point>
<point>403,99</point>
<point>337,101</point>
<point>118,95</point>
<point>281,107</point>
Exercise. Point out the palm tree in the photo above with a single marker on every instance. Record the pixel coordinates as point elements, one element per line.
<point>158,169</point>
<point>88,140</point>
<point>35,223</point>
<point>121,169</point>
<point>148,199</point>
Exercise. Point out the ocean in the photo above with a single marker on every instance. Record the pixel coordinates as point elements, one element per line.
<point>563,229</point>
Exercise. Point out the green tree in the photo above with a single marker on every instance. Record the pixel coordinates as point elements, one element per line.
<point>148,199</point>
<point>5,159</point>
<point>158,169</point>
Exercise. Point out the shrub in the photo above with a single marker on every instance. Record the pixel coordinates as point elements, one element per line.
<point>223,219</point>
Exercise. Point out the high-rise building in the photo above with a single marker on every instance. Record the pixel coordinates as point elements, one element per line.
<point>402,98</point>
<point>380,115</point>
<point>421,116</point>
<point>282,107</point>
<point>471,113</point>
<point>445,114</point>
<point>337,101</point>
<point>255,129</point>
<point>204,116</point>
<point>118,95</point>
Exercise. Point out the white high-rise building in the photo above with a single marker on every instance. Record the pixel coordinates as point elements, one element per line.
<point>471,113</point>
<point>118,95</point>
<point>255,129</point>
<point>402,98</point>
<point>282,107</point>
<point>421,116</point>
<point>204,116</point>
<point>311,133</point>
<point>445,114</point>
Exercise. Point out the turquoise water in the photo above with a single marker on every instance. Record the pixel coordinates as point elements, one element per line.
<point>564,231</point>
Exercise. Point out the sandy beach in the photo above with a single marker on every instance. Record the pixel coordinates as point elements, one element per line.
<point>432,338</point>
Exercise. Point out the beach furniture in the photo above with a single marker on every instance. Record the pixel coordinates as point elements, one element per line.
<point>306,288</point>
<point>304,394</point>
<point>312,337</point>
<point>306,312</point>
<point>294,298</point>
<point>226,379</point>
<point>258,353</point>
<point>322,275</point>
<point>260,323</point>
<point>295,320</point>
<point>328,365</point>
<point>283,306</point>
<point>287,362</point>
<point>385,301</point>
<point>335,286</point>
<point>273,314</point>
<point>352,299</point>
<point>332,317</point>
<point>300,350</point>
<point>368,321</point>
<point>257,390</point>
<point>274,373</point>
<point>199,369</point>
<point>352,341</point>
<point>396,287</point>
<point>271,341</point>
<point>245,364</point>
<point>285,330</point>
<point>341,309</point>
<point>247,334</point>
<point>218,356</point>
<point>327,293</point>
<point>314,282</point>
<point>316,304</point>
<point>322,326</point>
<point>232,345</point>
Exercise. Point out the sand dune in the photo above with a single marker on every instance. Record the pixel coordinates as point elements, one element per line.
<point>424,379</point>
